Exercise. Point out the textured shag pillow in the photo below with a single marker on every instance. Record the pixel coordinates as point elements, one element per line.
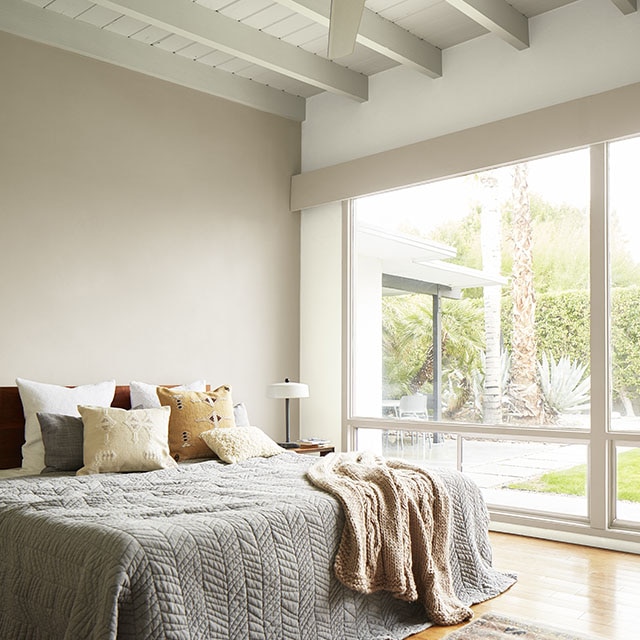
<point>119,440</point>
<point>240,443</point>
<point>193,412</point>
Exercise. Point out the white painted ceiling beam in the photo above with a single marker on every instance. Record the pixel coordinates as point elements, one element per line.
<point>29,21</point>
<point>200,24</point>
<point>626,6</point>
<point>498,17</point>
<point>343,27</point>
<point>379,35</point>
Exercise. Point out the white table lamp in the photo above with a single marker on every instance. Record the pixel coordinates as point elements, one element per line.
<point>287,390</point>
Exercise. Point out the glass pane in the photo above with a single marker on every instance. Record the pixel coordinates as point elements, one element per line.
<point>472,294</point>
<point>628,483</point>
<point>624,239</point>
<point>418,447</point>
<point>534,476</point>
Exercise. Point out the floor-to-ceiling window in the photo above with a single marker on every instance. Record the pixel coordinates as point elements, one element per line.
<point>471,318</point>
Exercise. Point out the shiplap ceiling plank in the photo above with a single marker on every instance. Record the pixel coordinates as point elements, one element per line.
<point>174,43</point>
<point>98,16</point>
<point>126,26</point>
<point>150,35</point>
<point>71,8</point>
<point>626,6</point>
<point>498,17</point>
<point>195,51</point>
<point>267,17</point>
<point>29,21</point>
<point>219,32</point>
<point>242,9</point>
<point>381,35</point>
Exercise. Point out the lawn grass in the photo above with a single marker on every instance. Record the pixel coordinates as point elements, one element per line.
<point>573,481</point>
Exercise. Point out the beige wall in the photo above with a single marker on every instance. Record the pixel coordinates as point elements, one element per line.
<point>145,231</point>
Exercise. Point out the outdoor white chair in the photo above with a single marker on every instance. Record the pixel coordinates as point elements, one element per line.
<point>415,406</point>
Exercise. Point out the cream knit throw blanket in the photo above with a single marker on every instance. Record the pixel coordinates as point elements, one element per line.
<point>396,532</point>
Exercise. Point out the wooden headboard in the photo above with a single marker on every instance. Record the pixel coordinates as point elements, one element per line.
<point>12,423</point>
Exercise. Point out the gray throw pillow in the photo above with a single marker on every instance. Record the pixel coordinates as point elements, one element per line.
<point>63,438</point>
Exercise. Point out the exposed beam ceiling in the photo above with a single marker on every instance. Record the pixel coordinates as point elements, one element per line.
<point>498,17</point>
<point>381,36</point>
<point>26,20</point>
<point>199,24</point>
<point>272,54</point>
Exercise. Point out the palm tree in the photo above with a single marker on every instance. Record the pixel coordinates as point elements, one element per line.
<point>408,345</point>
<point>523,388</point>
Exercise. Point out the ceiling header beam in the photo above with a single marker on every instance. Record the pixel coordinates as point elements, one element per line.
<point>379,35</point>
<point>200,24</point>
<point>29,21</point>
<point>498,17</point>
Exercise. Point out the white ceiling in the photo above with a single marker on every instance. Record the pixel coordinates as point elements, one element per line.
<point>269,54</point>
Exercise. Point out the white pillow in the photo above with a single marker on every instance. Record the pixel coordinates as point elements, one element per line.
<point>234,444</point>
<point>51,398</point>
<point>118,440</point>
<point>145,395</point>
<point>240,415</point>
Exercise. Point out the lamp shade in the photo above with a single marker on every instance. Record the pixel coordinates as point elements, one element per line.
<point>288,390</point>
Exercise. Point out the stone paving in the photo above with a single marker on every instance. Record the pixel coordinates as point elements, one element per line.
<point>496,465</point>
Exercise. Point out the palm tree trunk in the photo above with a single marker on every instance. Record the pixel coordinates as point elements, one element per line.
<point>490,232</point>
<point>523,387</point>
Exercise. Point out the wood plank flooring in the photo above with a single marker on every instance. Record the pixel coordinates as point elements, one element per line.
<point>580,589</point>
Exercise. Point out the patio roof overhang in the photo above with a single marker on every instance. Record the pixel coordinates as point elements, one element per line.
<point>410,264</point>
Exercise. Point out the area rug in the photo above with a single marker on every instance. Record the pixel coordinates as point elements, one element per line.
<point>492,626</point>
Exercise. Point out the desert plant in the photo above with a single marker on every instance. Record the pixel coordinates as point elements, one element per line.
<point>563,384</point>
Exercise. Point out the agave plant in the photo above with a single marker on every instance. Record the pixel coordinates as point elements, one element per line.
<point>563,385</point>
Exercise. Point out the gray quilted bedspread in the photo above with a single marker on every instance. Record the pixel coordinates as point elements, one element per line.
<point>205,551</point>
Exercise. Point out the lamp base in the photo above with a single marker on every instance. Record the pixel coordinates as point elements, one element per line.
<point>288,445</point>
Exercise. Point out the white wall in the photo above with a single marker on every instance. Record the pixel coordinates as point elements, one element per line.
<point>145,231</point>
<point>321,322</point>
<point>367,338</point>
<point>586,47</point>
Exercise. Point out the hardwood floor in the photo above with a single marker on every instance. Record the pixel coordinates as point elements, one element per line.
<point>579,589</point>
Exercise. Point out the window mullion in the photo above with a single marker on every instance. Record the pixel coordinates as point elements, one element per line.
<point>600,450</point>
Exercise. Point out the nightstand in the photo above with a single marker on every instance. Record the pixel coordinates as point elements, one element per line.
<point>323,451</point>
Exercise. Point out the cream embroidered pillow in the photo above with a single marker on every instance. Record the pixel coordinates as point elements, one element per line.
<point>193,412</point>
<point>120,440</point>
<point>240,443</point>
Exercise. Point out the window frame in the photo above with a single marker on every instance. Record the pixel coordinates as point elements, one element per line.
<point>601,521</point>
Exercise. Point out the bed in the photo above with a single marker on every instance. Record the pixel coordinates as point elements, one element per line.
<point>205,550</point>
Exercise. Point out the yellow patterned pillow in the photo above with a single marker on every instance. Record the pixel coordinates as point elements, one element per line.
<point>120,440</point>
<point>193,412</point>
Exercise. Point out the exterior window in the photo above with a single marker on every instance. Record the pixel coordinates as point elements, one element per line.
<point>472,305</point>
<point>472,297</point>
<point>627,484</point>
<point>624,241</point>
